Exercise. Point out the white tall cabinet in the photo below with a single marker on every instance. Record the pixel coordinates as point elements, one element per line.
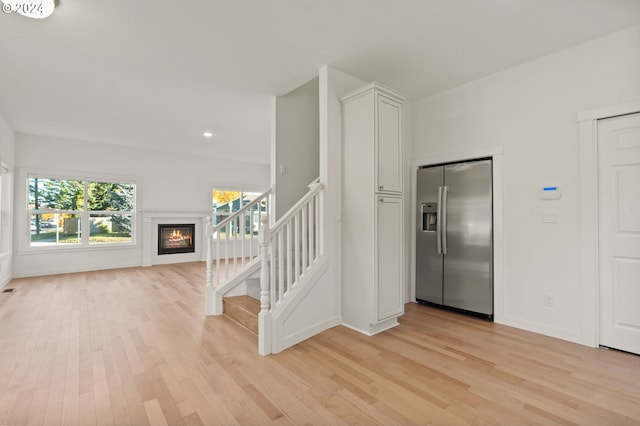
<point>372,208</point>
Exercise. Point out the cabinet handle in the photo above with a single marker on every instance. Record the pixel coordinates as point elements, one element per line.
<point>381,200</point>
<point>381,187</point>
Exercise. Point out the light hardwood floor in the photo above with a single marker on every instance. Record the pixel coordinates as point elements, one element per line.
<point>133,346</point>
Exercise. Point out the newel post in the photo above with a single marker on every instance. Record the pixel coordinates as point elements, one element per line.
<point>264,318</point>
<point>210,292</point>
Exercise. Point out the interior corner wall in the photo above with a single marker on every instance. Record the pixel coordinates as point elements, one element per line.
<point>333,84</point>
<point>296,144</point>
<point>167,182</point>
<point>531,111</point>
<point>7,157</point>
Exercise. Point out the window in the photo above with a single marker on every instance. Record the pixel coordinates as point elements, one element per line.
<point>76,213</point>
<point>226,202</point>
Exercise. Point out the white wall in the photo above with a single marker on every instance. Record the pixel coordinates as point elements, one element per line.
<point>7,150</point>
<point>531,112</point>
<point>167,183</point>
<point>333,84</point>
<point>296,144</point>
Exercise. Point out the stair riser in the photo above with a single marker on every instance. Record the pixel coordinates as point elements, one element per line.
<point>242,316</point>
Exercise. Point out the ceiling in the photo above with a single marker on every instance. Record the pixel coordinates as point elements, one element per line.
<point>156,73</point>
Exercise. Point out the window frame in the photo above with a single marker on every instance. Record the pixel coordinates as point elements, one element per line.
<point>6,209</point>
<point>83,213</point>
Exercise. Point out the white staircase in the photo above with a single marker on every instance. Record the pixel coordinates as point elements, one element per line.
<point>288,261</point>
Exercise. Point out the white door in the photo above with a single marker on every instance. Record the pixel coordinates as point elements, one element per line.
<point>619,231</point>
<point>389,155</point>
<point>389,240</point>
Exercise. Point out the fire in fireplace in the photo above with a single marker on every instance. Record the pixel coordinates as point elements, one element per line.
<point>178,238</point>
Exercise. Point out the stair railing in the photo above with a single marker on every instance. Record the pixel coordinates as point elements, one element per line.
<point>288,249</point>
<point>227,235</point>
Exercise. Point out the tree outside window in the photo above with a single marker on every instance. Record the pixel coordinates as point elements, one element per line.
<point>64,212</point>
<point>226,202</point>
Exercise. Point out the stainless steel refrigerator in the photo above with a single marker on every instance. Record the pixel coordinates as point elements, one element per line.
<point>454,237</point>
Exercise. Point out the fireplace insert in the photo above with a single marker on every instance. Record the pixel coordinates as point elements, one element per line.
<point>176,238</point>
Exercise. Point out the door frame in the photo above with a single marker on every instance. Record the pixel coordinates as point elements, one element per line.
<point>495,153</point>
<point>589,244</point>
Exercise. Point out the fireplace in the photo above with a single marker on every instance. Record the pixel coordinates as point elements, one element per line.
<point>176,238</point>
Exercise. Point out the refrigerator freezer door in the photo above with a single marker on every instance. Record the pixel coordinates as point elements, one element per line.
<point>428,260</point>
<point>468,274</point>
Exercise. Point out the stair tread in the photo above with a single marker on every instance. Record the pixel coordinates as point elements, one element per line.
<point>247,303</point>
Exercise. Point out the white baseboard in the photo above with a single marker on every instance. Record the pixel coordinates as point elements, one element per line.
<point>5,281</point>
<point>57,271</point>
<point>539,328</point>
<point>387,325</point>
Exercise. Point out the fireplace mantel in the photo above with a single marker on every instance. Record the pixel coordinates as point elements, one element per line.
<point>150,221</point>
<point>164,214</point>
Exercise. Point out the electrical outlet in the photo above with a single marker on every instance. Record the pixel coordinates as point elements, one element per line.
<point>550,216</point>
<point>548,300</point>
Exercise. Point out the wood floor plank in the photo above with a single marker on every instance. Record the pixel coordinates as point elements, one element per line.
<point>53,413</point>
<point>87,410</point>
<point>133,346</point>
<point>199,403</point>
<point>20,410</point>
<point>154,413</point>
<point>38,407</point>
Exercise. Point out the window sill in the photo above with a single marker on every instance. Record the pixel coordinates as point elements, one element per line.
<point>53,250</point>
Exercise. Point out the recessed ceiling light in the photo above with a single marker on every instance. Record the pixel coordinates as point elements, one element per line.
<point>207,134</point>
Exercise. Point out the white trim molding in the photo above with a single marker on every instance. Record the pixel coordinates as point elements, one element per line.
<point>588,126</point>
<point>609,111</point>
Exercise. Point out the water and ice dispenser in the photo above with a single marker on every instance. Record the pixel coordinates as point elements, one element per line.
<point>429,216</point>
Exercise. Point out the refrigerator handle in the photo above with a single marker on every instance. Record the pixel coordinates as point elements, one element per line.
<point>443,231</point>
<point>439,221</point>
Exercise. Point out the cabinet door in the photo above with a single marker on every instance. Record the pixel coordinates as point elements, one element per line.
<point>389,300</point>
<point>389,145</point>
